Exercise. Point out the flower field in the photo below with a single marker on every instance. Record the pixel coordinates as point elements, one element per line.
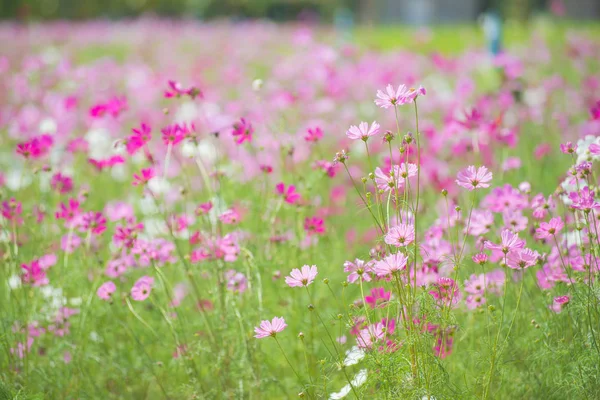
<point>261,211</point>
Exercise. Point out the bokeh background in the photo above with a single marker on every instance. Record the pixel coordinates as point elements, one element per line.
<point>413,12</point>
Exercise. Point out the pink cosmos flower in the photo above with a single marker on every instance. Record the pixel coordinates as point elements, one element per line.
<point>378,298</point>
<point>236,281</point>
<point>34,274</point>
<point>363,131</point>
<point>70,211</point>
<point>522,258</point>
<point>61,183</point>
<point>177,90</point>
<point>289,194</point>
<point>480,258</point>
<point>472,178</point>
<point>407,170</point>
<point>22,348</point>
<point>313,135</point>
<point>302,277</point>
<point>400,96</point>
<point>568,148</point>
<point>229,217</point>
<point>400,235</point>
<point>114,107</point>
<point>242,131</point>
<point>174,134</point>
<point>388,182</point>
<point>139,139</point>
<point>204,208</point>
<point>106,290</point>
<point>12,210</point>
<point>142,288</point>
<point>314,226</point>
<point>143,177</point>
<point>359,269</point>
<point>558,303</point>
<point>270,328</point>
<point>510,242</point>
<point>94,222</point>
<point>391,264</point>
<point>446,291</point>
<point>549,229</point>
<point>366,338</point>
<point>584,200</point>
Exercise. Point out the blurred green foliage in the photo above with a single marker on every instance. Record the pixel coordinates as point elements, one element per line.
<point>84,9</point>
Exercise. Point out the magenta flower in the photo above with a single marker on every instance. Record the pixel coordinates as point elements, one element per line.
<point>363,131</point>
<point>94,222</point>
<point>391,264</point>
<point>474,179</point>
<point>378,298</point>
<point>142,288</point>
<point>270,328</point>
<point>204,208</point>
<point>61,183</point>
<point>174,134</point>
<point>34,274</point>
<point>12,210</point>
<point>242,131</point>
<point>106,290</point>
<point>143,177</point>
<point>314,226</point>
<point>177,90</point>
<point>549,229</point>
<point>139,139</point>
<point>289,194</point>
<point>400,235</point>
<point>313,135</point>
<point>302,277</point>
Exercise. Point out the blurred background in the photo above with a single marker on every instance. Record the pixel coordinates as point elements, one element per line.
<point>412,12</point>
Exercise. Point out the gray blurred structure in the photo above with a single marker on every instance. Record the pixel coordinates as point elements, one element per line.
<point>425,12</point>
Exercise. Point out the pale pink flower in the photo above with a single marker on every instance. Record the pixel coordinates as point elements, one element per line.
<point>398,97</point>
<point>549,229</point>
<point>363,131</point>
<point>270,328</point>
<point>302,277</point>
<point>106,290</point>
<point>142,288</point>
<point>391,264</point>
<point>472,178</point>
<point>358,269</point>
<point>400,235</point>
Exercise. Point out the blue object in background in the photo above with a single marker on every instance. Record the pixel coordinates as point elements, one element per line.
<point>343,21</point>
<point>492,27</point>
